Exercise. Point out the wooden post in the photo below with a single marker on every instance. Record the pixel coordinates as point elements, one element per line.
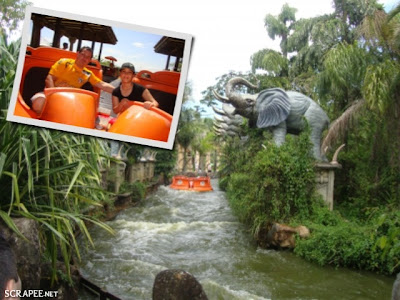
<point>57,34</point>
<point>37,27</point>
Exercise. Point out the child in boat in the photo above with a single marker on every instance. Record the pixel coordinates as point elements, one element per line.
<point>128,91</point>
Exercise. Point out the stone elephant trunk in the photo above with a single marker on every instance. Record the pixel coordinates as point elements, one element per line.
<point>242,102</point>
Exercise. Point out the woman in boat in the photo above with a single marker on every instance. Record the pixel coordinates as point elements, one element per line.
<point>128,91</point>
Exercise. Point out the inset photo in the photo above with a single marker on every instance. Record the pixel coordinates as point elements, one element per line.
<point>99,77</point>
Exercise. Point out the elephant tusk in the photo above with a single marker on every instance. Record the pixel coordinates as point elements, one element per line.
<point>334,158</point>
<point>220,97</point>
<point>229,110</point>
<point>216,126</point>
<point>233,82</point>
<point>218,111</point>
<point>219,119</point>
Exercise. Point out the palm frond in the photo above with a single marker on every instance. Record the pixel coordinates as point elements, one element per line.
<point>341,125</point>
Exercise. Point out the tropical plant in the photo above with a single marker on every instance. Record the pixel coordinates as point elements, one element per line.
<point>165,162</point>
<point>186,132</point>
<point>271,184</point>
<point>47,176</point>
<point>8,61</point>
<point>349,62</point>
<point>373,245</point>
<point>11,12</point>
<point>281,26</point>
<point>208,94</point>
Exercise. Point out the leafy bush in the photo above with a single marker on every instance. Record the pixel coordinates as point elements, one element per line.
<point>137,189</point>
<point>362,184</point>
<point>340,245</point>
<point>275,184</point>
<point>165,162</point>
<point>374,246</point>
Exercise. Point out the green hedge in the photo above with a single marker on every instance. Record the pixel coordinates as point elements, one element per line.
<point>274,184</point>
<point>373,246</point>
<point>277,184</point>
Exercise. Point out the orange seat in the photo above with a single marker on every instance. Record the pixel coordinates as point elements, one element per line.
<point>137,121</point>
<point>180,183</point>
<point>23,110</point>
<point>202,184</point>
<point>70,106</point>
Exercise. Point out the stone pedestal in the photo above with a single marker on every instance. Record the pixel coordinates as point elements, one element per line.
<point>325,178</point>
<point>151,169</point>
<point>117,176</point>
<point>133,174</point>
<point>141,171</point>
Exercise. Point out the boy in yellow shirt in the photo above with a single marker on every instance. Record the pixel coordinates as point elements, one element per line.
<point>70,73</point>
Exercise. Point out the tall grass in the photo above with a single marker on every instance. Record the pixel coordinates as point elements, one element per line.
<point>46,175</point>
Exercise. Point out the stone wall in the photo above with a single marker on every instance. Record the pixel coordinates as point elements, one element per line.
<point>121,171</point>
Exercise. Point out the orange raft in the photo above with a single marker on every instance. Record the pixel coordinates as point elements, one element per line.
<point>197,184</point>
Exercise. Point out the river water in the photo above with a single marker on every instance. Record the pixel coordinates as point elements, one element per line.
<point>197,232</point>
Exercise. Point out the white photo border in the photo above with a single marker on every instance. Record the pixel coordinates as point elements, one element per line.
<point>93,132</point>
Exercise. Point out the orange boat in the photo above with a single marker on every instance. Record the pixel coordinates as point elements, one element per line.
<point>79,107</point>
<point>197,184</point>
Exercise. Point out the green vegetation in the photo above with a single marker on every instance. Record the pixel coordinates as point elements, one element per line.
<point>272,184</point>
<point>11,12</point>
<point>137,189</point>
<point>372,245</point>
<point>348,61</point>
<point>194,134</point>
<point>48,176</point>
<point>267,184</point>
<point>165,162</point>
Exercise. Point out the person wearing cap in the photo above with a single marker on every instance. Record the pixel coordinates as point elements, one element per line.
<point>68,72</point>
<point>128,91</point>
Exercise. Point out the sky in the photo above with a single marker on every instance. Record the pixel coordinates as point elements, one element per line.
<point>225,32</point>
<point>132,46</point>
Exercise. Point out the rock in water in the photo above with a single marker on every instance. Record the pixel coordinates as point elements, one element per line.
<point>177,285</point>
<point>282,236</point>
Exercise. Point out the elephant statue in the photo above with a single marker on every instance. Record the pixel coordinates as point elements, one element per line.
<point>225,115</point>
<point>225,122</point>
<point>280,111</point>
<point>222,128</point>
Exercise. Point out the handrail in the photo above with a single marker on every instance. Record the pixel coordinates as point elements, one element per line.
<point>95,289</point>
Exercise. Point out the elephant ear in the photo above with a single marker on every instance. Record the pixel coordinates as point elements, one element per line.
<point>273,107</point>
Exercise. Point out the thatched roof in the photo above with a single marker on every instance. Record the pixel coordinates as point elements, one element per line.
<point>77,29</point>
<point>170,46</point>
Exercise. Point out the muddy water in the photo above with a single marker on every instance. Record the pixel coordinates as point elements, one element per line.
<point>198,233</point>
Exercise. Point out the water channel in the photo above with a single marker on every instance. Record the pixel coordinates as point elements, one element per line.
<point>197,232</point>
